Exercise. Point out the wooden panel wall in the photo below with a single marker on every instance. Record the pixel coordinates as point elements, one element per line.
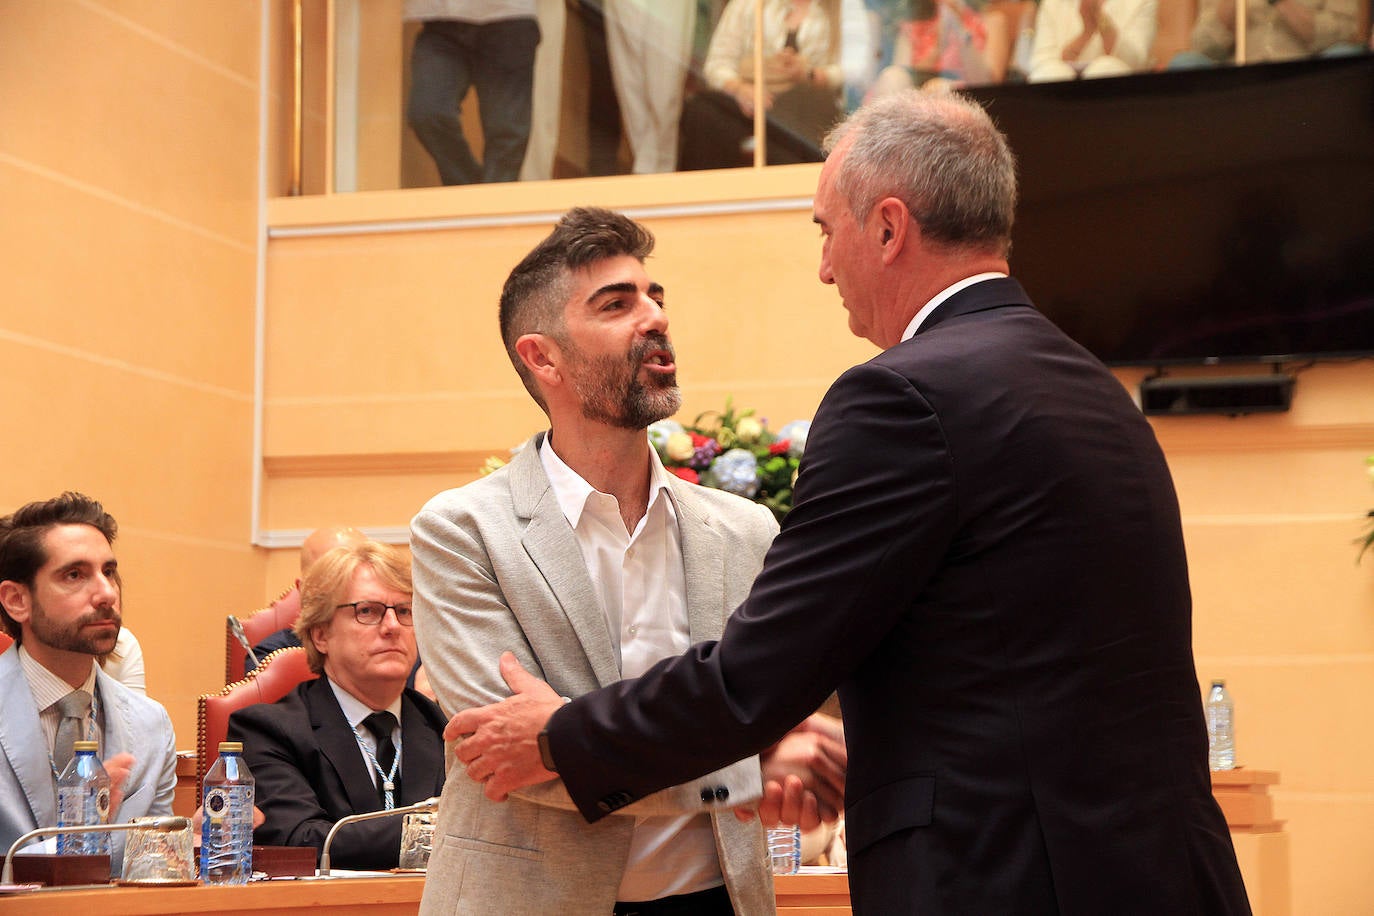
<point>128,247</point>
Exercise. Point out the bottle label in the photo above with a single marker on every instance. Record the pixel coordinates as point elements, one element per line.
<point>102,803</point>
<point>217,803</point>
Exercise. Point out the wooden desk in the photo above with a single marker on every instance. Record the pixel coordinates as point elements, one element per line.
<point>798,895</point>
<point>1260,841</point>
<point>1261,846</point>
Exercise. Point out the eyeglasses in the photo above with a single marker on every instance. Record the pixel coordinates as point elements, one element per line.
<point>371,613</point>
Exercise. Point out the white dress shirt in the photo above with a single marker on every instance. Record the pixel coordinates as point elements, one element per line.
<point>641,584</point>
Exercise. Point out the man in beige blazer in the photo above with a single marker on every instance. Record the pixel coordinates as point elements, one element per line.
<point>590,562</point>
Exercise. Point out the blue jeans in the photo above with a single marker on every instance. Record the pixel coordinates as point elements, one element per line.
<point>497,60</point>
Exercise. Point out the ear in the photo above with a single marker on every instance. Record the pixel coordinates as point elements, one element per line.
<point>320,637</point>
<point>17,600</point>
<point>540,354</point>
<point>891,223</point>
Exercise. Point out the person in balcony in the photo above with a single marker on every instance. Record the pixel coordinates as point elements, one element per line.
<point>1091,38</point>
<point>801,93</point>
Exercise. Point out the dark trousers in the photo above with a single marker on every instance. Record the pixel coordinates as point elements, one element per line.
<point>497,60</point>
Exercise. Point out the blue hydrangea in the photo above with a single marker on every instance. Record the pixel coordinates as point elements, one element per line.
<point>737,471</point>
<point>795,433</point>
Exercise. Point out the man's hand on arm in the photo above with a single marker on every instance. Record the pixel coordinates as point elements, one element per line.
<point>499,744</point>
<point>803,775</point>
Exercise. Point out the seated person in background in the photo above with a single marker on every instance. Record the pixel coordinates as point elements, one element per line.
<point>1279,30</point>
<point>125,662</point>
<point>948,42</point>
<point>60,596</point>
<point>330,748</point>
<point>1091,38</point>
<point>802,85</point>
<point>319,541</point>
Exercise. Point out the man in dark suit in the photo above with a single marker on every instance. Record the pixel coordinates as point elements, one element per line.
<point>985,556</point>
<point>355,739</point>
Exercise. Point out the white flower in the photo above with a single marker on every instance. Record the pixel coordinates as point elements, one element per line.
<point>748,430</point>
<point>679,447</point>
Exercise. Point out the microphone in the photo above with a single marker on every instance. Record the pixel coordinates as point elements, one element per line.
<point>163,824</point>
<point>428,804</point>
<point>236,627</point>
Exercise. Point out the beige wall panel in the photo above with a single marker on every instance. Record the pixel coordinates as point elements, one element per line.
<point>222,34</point>
<point>1279,589</point>
<point>1303,716</point>
<point>1330,852</point>
<point>363,500</point>
<point>178,455</point>
<point>482,421</point>
<point>1261,484</point>
<point>178,591</point>
<point>95,274</point>
<point>166,131</point>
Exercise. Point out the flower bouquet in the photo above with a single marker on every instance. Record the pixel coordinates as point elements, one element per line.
<point>735,451</point>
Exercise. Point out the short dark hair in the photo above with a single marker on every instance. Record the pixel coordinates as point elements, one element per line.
<point>942,156</point>
<point>533,297</point>
<point>22,533</point>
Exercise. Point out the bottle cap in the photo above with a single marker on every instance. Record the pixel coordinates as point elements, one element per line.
<point>85,746</point>
<point>231,747</point>
<point>1218,682</point>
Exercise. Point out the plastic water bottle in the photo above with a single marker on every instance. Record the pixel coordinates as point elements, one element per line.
<point>784,849</point>
<point>83,797</point>
<point>226,833</point>
<point>1221,728</point>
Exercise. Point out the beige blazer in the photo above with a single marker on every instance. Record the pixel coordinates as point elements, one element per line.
<point>497,567</point>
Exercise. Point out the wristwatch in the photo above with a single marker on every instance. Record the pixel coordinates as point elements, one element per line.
<point>546,755</point>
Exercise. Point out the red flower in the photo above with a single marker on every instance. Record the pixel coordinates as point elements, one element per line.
<point>686,474</point>
<point>699,440</point>
<point>780,447</point>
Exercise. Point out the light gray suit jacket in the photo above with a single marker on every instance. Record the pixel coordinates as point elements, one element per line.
<point>133,723</point>
<point>497,567</point>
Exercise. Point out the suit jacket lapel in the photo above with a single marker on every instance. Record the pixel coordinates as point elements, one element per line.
<point>422,762</point>
<point>552,547</point>
<point>22,739</point>
<point>339,744</point>
<point>703,560</point>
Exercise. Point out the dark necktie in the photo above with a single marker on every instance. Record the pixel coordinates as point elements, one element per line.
<point>381,724</point>
<point>73,709</point>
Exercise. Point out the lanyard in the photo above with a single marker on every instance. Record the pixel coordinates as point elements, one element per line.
<point>388,779</point>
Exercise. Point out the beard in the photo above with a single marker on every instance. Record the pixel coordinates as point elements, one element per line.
<point>611,391</point>
<point>72,637</point>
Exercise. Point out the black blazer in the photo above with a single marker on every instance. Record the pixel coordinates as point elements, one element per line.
<point>310,772</point>
<point>986,558</point>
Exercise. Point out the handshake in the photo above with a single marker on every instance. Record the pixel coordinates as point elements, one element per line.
<point>803,773</point>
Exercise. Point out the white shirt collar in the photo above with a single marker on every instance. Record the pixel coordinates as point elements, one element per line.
<point>355,710</point>
<point>46,687</point>
<point>572,492</point>
<point>940,297</point>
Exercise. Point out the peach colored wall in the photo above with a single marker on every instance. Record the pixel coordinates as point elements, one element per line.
<point>406,389</point>
<point>128,245</point>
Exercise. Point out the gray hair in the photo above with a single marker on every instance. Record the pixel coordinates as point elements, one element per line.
<point>537,289</point>
<point>942,156</point>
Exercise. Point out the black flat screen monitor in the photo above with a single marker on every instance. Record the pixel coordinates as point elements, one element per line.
<point>1202,216</point>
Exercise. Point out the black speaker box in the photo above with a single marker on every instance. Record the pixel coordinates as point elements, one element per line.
<point>1233,395</point>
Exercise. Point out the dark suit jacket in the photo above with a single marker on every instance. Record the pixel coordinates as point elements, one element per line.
<point>310,772</point>
<point>986,557</point>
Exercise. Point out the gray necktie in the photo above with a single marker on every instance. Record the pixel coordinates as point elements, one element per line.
<point>71,728</point>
